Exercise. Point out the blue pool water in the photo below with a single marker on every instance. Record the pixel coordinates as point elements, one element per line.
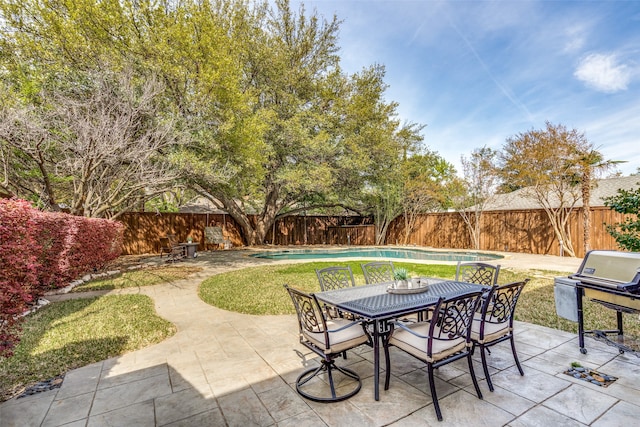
<point>363,252</point>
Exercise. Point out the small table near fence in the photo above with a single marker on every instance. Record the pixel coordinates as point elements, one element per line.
<point>190,249</point>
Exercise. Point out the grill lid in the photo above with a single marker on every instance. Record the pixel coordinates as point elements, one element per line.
<point>610,269</point>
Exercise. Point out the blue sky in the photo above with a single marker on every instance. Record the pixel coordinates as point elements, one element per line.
<point>478,72</point>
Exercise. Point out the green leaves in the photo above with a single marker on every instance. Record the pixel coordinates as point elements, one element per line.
<point>626,233</point>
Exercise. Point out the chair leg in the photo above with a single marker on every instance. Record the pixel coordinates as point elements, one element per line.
<point>434,396</point>
<point>387,363</point>
<point>485,368</point>
<point>515,356</point>
<point>328,366</point>
<point>473,376</point>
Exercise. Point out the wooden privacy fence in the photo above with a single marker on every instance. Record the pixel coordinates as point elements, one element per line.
<point>510,231</point>
<point>142,230</point>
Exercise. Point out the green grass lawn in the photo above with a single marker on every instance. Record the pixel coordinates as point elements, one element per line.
<point>260,290</point>
<point>143,277</point>
<point>74,333</point>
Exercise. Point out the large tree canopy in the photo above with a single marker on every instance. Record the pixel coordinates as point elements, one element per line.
<point>550,165</point>
<point>274,124</point>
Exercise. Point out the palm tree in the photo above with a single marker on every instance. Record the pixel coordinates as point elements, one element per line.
<point>591,163</point>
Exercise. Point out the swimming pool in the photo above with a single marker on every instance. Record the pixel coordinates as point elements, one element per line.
<point>363,252</point>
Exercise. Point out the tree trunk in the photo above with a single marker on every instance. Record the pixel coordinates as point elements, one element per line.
<point>586,209</point>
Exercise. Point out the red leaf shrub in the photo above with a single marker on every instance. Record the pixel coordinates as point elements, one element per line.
<point>42,250</point>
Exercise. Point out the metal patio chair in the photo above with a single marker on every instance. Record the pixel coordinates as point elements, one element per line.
<point>477,272</point>
<point>328,338</point>
<point>331,278</point>
<point>443,339</point>
<point>494,323</point>
<point>172,248</point>
<point>378,272</point>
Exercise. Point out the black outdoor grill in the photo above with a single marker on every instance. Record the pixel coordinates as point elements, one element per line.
<point>610,278</point>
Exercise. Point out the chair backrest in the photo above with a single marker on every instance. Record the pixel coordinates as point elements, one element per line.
<point>477,272</point>
<point>378,271</point>
<point>500,304</point>
<point>165,243</point>
<point>310,318</point>
<point>214,235</point>
<point>452,319</point>
<point>173,240</point>
<point>331,278</point>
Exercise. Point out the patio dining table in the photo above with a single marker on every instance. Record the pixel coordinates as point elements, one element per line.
<point>379,304</point>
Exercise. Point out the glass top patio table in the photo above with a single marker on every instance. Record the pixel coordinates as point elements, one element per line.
<point>374,303</point>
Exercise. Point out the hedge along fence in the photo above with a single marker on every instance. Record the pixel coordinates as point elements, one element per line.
<point>40,251</point>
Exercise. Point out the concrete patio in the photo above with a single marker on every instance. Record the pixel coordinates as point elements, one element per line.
<point>229,369</point>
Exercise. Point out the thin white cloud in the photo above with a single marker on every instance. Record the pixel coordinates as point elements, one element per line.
<point>603,73</point>
<point>575,38</point>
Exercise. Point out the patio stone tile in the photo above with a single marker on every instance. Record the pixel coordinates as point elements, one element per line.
<point>227,385</point>
<point>544,417</point>
<point>67,410</point>
<point>79,423</point>
<point>188,376</point>
<point>500,358</point>
<point>503,399</point>
<point>139,415</point>
<point>343,413</point>
<point>257,371</point>
<point>626,372</point>
<point>544,339</point>
<point>116,377</point>
<point>622,414</point>
<point>594,356</point>
<point>459,409</point>
<point>29,410</point>
<point>534,385</point>
<point>306,419</point>
<point>113,398</point>
<point>210,418</point>
<point>183,404</point>
<point>525,349</point>
<point>622,392</point>
<point>401,362</point>
<point>580,403</point>
<point>401,398</point>
<point>363,368</point>
<point>268,383</point>
<point>80,381</point>
<point>419,379</point>
<point>243,408</point>
<point>283,403</point>
<point>450,371</point>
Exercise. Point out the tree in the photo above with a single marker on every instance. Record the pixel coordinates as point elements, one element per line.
<point>626,233</point>
<point>480,185</point>
<point>591,164</point>
<point>429,185</point>
<point>96,147</point>
<point>312,137</point>
<point>545,164</point>
<point>275,126</point>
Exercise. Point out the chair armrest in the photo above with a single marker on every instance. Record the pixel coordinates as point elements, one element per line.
<point>412,332</point>
<point>348,325</point>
